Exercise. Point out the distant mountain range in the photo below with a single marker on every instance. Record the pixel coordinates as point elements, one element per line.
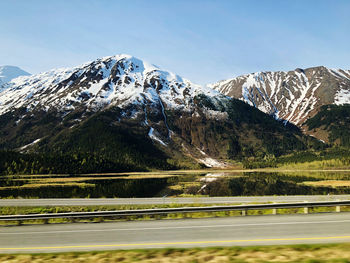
<point>132,114</point>
<point>7,73</point>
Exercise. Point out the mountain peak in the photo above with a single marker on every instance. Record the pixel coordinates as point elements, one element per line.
<point>7,73</point>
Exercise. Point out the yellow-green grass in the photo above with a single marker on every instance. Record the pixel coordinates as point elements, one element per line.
<point>331,183</point>
<point>38,185</point>
<point>316,166</point>
<point>66,178</point>
<point>324,164</point>
<point>320,253</point>
<point>80,179</point>
<point>337,174</point>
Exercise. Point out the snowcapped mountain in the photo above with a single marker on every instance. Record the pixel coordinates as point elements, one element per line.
<point>128,110</point>
<point>118,80</point>
<point>294,96</point>
<point>7,73</point>
<point>141,92</point>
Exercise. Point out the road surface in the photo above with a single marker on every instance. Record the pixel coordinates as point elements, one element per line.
<point>231,231</point>
<point>168,200</point>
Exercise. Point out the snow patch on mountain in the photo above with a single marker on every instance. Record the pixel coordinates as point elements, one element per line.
<point>210,162</point>
<point>152,134</point>
<point>30,144</point>
<point>342,97</point>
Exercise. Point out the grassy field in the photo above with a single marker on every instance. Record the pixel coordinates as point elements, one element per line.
<point>177,183</point>
<point>322,165</point>
<point>339,253</point>
<point>331,183</point>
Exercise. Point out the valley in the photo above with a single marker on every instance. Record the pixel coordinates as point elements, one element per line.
<point>120,127</point>
<point>187,131</point>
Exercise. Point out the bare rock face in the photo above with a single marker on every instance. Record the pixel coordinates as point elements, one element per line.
<point>294,96</point>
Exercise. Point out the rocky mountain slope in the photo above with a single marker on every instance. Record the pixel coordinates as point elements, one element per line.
<point>294,96</point>
<point>134,115</point>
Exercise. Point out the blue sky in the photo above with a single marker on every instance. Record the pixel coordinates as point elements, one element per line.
<point>204,41</point>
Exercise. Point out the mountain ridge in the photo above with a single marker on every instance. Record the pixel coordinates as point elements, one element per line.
<point>294,95</point>
<point>105,71</point>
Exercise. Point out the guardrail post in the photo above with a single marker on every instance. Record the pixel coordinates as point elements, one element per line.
<point>337,208</point>
<point>306,208</point>
<point>274,210</point>
<point>244,212</point>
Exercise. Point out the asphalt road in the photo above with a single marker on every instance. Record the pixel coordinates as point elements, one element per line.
<point>231,231</point>
<point>168,200</point>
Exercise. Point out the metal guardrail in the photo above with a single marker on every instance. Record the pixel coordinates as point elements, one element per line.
<point>159,211</point>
